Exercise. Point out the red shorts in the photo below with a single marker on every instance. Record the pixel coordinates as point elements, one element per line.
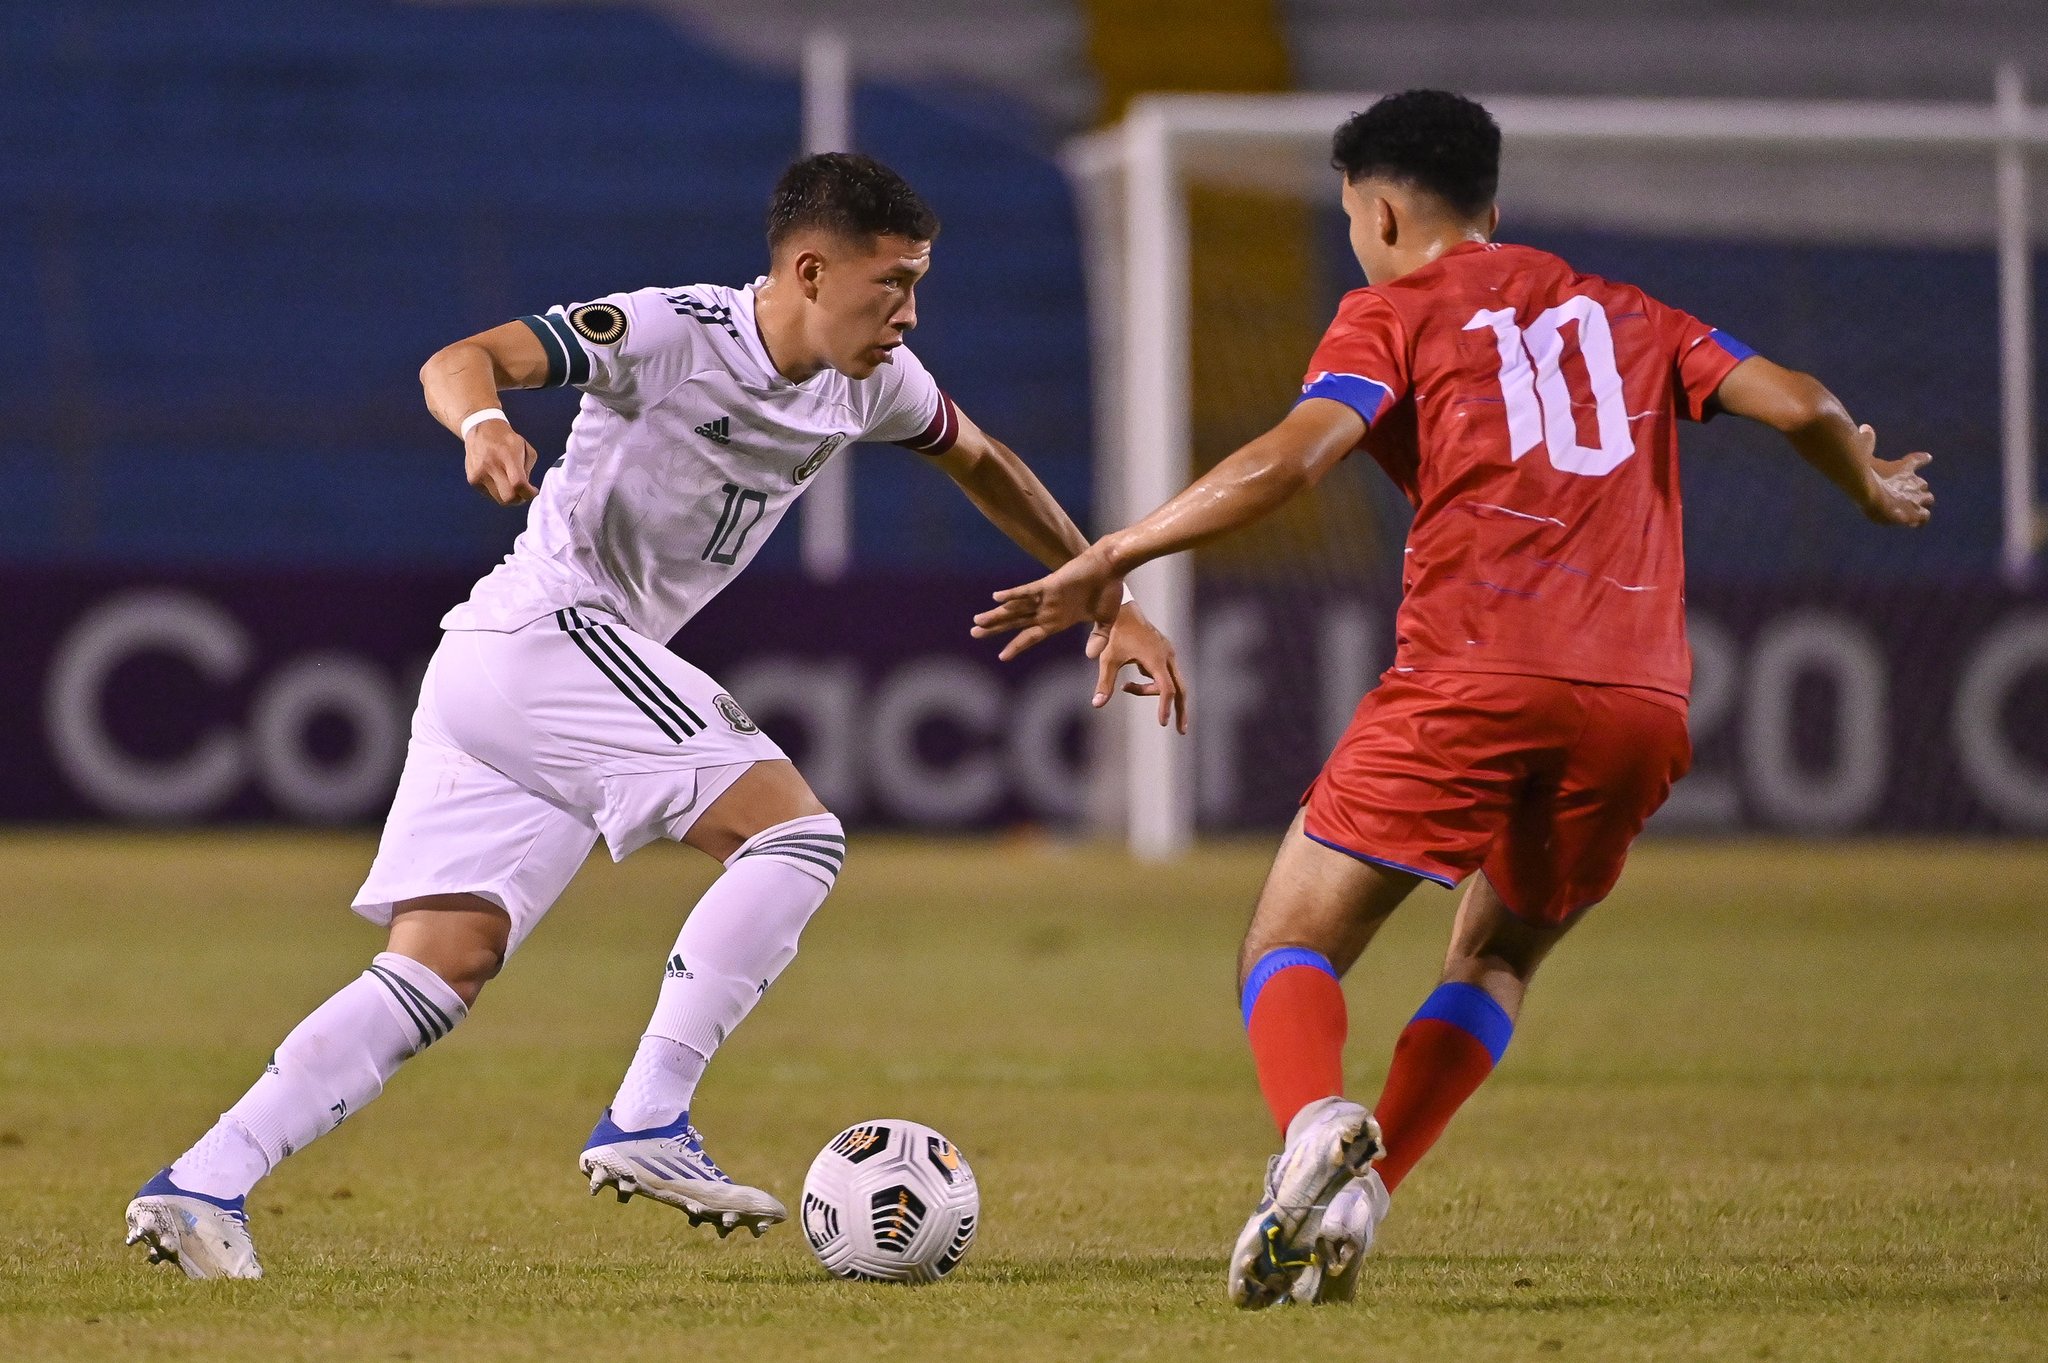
<point>1542,783</point>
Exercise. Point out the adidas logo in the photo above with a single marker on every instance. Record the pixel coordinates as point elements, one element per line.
<point>719,430</point>
<point>677,970</point>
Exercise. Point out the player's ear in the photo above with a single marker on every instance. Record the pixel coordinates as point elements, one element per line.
<point>807,266</point>
<point>1493,222</point>
<point>1386,222</point>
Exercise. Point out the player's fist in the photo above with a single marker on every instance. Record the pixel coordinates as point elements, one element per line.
<point>1897,494</point>
<point>499,463</point>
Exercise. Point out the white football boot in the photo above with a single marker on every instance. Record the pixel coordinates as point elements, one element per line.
<point>1329,1143</point>
<point>208,1237</point>
<point>668,1164</point>
<point>1349,1224</point>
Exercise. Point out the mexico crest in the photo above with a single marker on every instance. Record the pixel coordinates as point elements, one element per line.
<point>734,716</point>
<point>825,450</point>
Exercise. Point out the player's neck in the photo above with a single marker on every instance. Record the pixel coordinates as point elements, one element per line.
<point>779,320</point>
<point>1426,247</point>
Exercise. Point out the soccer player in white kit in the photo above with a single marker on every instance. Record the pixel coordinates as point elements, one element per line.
<point>551,715</point>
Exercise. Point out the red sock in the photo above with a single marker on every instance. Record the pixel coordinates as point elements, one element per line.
<point>1441,1059</point>
<point>1294,1015</point>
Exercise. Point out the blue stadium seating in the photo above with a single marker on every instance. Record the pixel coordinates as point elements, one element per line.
<point>237,228</point>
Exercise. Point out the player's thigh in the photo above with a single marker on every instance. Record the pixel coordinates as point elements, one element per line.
<point>459,827</point>
<point>1322,899</point>
<point>1424,776</point>
<point>1569,837</point>
<point>607,723</point>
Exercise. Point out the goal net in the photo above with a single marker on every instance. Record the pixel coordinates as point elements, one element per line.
<point>1886,248</point>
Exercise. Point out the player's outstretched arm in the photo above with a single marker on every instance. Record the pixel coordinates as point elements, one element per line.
<point>1254,481</point>
<point>1004,489</point>
<point>1889,491</point>
<point>466,378</point>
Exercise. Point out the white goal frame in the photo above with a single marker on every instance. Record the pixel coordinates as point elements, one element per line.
<point>1131,181</point>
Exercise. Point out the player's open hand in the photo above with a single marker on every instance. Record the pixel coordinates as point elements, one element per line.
<point>499,463</point>
<point>1897,494</point>
<point>1081,589</point>
<point>1903,496</point>
<point>1134,641</point>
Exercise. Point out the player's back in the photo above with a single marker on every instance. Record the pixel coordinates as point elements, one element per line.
<point>1531,418</point>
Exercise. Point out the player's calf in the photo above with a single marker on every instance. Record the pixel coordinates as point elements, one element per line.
<point>740,936</point>
<point>330,1065</point>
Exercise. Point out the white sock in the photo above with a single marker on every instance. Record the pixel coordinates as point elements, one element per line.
<point>226,1162</point>
<point>741,935</point>
<point>335,1061</point>
<point>659,1084</point>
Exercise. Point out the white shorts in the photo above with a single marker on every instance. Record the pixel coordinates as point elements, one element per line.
<point>528,745</point>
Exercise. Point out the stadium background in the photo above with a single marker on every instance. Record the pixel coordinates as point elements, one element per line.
<point>227,525</point>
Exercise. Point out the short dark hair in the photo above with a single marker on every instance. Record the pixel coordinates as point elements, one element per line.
<point>849,195</point>
<point>1431,139</point>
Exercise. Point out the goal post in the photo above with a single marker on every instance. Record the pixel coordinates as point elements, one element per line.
<point>1133,184</point>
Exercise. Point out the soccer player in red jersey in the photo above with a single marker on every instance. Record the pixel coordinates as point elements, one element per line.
<point>1535,715</point>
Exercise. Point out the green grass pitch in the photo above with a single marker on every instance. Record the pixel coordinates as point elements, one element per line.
<point>1772,1102</point>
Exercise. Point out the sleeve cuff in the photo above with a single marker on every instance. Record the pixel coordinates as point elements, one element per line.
<point>1731,345</point>
<point>940,433</point>
<point>568,364</point>
<point>1367,397</point>
<point>1705,369</point>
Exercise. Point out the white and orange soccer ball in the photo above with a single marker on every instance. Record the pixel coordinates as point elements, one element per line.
<point>890,1201</point>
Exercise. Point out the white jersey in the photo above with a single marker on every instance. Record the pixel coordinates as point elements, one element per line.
<point>687,450</point>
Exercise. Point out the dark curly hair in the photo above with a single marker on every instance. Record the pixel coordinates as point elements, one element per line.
<point>848,195</point>
<point>1431,139</point>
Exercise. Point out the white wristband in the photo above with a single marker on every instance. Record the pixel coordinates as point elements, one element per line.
<point>476,419</point>
<point>1129,595</point>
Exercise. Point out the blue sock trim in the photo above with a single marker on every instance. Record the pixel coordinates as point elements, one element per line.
<point>1271,964</point>
<point>1471,1009</point>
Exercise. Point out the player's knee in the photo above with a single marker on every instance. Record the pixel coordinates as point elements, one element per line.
<point>464,967</point>
<point>467,966</point>
<point>1512,954</point>
<point>1256,945</point>
<point>767,795</point>
<point>463,940</point>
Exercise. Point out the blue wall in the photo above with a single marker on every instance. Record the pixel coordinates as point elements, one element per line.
<point>236,229</point>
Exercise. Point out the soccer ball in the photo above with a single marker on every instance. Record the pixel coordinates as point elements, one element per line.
<point>890,1201</point>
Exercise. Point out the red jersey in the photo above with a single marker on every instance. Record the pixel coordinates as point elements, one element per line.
<point>1530,415</point>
